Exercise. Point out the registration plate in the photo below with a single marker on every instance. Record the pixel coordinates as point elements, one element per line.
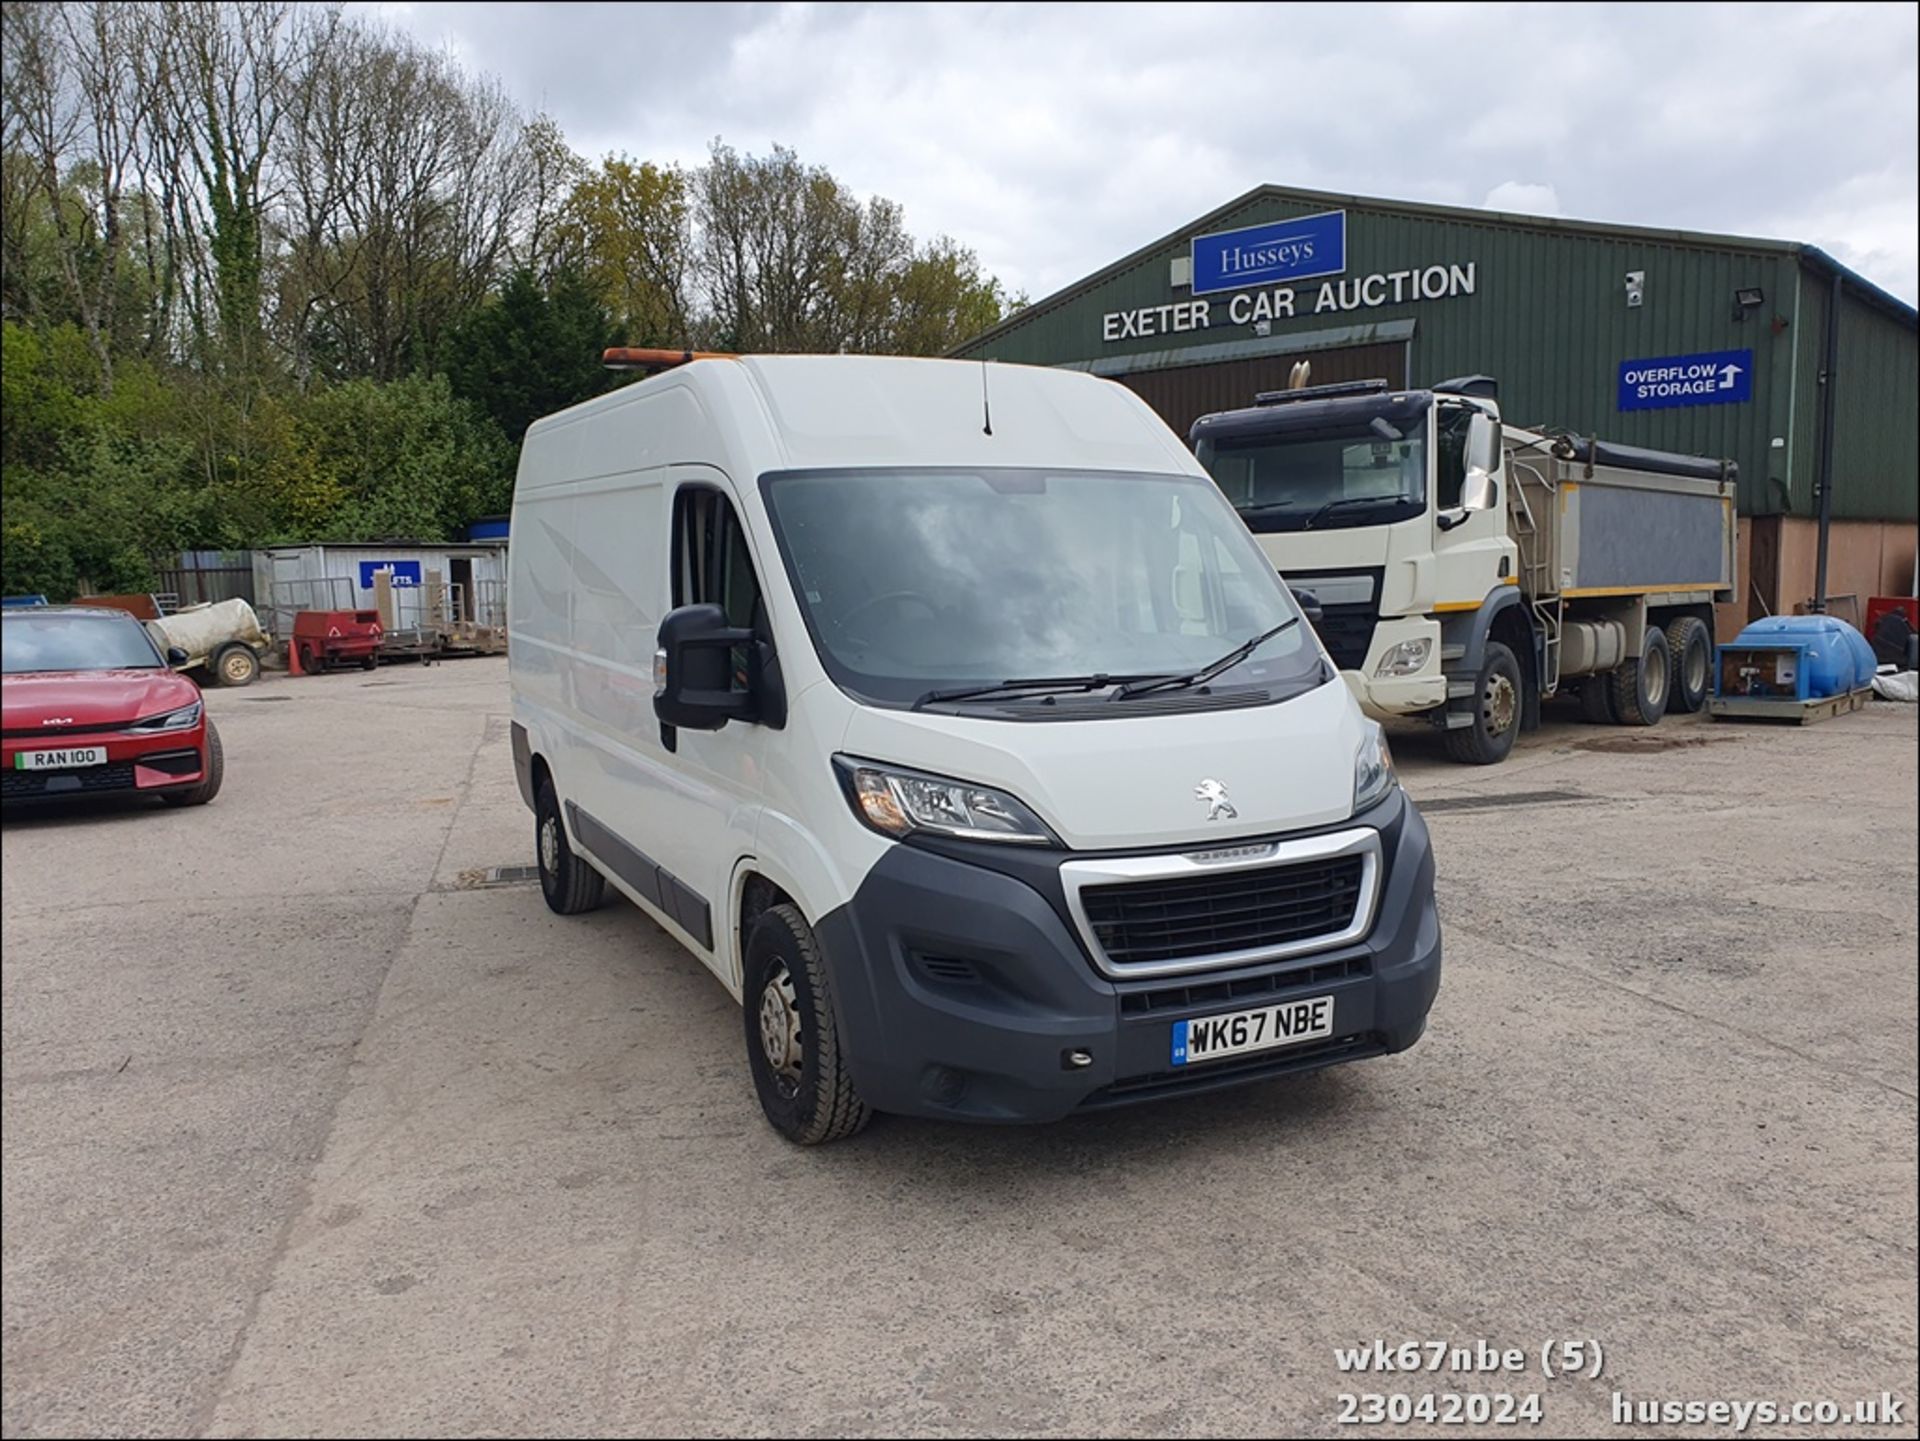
<point>67,760</point>
<point>1286,1024</point>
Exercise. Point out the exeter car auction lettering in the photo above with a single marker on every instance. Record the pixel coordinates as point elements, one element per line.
<point>1246,307</point>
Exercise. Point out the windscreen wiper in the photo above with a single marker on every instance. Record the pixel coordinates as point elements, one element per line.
<point>1347,500</point>
<point>1054,685</point>
<point>1207,672</point>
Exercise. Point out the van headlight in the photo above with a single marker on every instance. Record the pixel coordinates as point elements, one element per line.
<point>899,802</point>
<point>185,718</point>
<point>1405,658</point>
<point>1373,773</point>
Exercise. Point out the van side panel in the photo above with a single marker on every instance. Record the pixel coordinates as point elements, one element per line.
<point>619,587</point>
<point>539,605</point>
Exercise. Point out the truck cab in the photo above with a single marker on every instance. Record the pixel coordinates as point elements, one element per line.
<point>1384,506</point>
<point>1466,570</point>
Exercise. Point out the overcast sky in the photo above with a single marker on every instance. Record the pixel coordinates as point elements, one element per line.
<point>1054,139</point>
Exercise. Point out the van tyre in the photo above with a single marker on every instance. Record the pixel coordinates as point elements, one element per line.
<point>1640,687</point>
<point>569,883</point>
<point>213,772</point>
<point>793,1044</point>
<point>1498,700</point>
<point>1692,651</point>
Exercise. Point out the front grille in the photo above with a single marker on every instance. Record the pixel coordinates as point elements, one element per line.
<point>25,785</point>
<point>1137,922</point>
<point>1147,1000</point>
<point>1347,633</point>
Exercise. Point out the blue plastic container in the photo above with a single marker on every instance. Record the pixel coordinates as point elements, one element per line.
<point>1838,656</point>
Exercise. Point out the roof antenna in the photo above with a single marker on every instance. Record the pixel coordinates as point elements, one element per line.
<point>986,408</point>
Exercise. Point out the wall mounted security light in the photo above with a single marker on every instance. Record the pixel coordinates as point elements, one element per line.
<point>1745,298</point>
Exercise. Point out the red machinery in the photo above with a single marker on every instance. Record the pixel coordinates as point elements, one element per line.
<point>1892,623</point>
<point>322,637</point>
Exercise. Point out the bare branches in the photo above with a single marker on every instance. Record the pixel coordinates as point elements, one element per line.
<point>256,186</point>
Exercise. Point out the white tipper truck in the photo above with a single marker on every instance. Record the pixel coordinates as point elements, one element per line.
<point>1465,571</point>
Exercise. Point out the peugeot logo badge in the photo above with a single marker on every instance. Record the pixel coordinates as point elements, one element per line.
<point>1215,796</point>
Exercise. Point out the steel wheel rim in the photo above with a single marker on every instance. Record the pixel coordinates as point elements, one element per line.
<point>235,667</point>
<point>550,845</point>
<point>780,1030</point>
<point>1696,669</point>
<point>1656,680</point>
<point>1501,705</point>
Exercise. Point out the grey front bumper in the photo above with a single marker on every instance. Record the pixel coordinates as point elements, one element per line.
<point>962,990</point>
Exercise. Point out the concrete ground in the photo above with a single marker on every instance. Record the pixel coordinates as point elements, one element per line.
<point>308,1132</point>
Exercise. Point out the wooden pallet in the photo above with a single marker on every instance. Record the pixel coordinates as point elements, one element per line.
<point>1799,712</point>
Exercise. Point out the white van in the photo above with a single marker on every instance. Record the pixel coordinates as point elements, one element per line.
<point>951,717</point>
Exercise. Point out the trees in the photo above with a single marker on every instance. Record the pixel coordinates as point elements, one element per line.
<point>270,271</point>
<point>792,260</point>
<point>627,229</point>
<point>532,352</point>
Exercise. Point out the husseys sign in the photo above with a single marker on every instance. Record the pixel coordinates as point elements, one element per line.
<point>1252,263</point>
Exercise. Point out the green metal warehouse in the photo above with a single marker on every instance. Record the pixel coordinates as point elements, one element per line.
<point>1706,344</point>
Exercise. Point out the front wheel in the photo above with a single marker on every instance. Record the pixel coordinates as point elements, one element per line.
<point>569,884</point>
<point>793,1044</point>
<point>213,771</point>
<point>1497,702</point>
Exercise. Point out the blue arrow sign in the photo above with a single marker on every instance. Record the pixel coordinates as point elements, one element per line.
<point>1714,377</point>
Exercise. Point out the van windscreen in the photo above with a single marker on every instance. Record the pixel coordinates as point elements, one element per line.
<point>921,580</point>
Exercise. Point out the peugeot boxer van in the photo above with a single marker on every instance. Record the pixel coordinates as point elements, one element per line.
<point>949,715</point>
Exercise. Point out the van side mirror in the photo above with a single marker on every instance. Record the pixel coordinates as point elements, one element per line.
<point>1309,604</point>
<point>177,655</point>
<point>694,670</point>
<point>1483,459</point>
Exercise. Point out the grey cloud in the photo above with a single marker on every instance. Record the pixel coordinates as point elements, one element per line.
<point>1053,139</point>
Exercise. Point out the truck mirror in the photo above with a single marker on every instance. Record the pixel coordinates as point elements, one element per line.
<point>694,670</point>
<point>1483,458</point>
<point>177,655</point>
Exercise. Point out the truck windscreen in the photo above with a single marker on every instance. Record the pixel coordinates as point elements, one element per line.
<point>1319,481</point>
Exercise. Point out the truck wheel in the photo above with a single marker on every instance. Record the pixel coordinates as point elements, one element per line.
<point>793,1045</point>
<point>569,883</point>
<point>1640,687</point>
<point>209,787</point>
<point>1692,650</point>
<point>1497,703</point>
<point>1596,699</point>
<point>309,662</point>
<point>236,665</point>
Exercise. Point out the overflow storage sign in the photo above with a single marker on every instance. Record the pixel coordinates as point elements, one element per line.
<point>1717,377</point>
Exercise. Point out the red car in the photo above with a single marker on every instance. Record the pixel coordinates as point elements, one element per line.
<point>89,706</point>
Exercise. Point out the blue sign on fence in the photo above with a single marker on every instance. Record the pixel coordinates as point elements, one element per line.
<point>1264,254</point>
<point>1717,377</point>
<point>405,572</point>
